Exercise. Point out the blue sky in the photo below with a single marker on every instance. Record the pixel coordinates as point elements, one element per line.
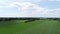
<point>29,8</point>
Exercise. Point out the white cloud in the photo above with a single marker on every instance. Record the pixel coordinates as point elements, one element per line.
<point>28,9</point>
<point>53,13</point>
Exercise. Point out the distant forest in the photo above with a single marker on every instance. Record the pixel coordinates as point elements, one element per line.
<point>28,19</point>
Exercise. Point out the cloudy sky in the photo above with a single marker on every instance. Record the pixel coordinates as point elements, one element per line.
<point>29,8</point>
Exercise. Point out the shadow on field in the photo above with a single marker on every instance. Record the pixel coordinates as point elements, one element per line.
<point>7,23</point>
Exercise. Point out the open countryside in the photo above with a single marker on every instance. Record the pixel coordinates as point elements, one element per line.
<point>44,26</point>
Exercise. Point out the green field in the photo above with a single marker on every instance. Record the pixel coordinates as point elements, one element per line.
<point>35,27</point>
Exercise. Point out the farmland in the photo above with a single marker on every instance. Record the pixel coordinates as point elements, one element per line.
<point>34,27</point>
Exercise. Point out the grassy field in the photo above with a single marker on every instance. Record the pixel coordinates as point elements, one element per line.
<point>35,27</point>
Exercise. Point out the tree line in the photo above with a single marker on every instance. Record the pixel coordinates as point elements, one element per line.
<point>28,19</point>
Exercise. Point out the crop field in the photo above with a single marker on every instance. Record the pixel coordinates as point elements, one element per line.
<point>34,27</point>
